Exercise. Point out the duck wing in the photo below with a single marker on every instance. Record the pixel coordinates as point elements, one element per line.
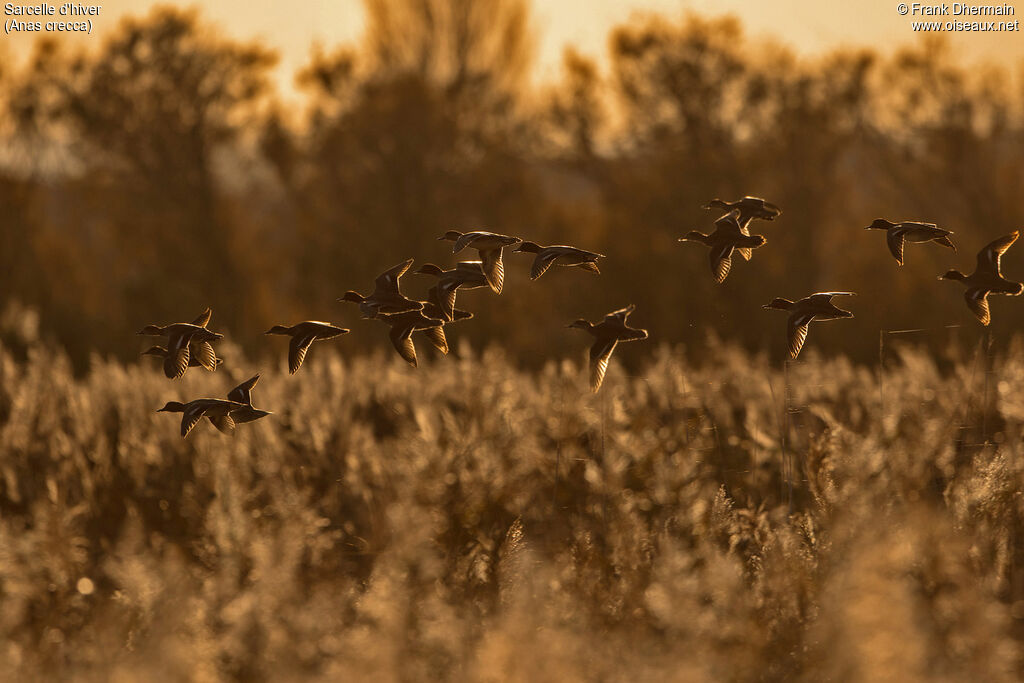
<point>590,267</point>
<point>193,413</point>
<point>401,337</point>
<point>946,242</point>
<point>977,301</point>
<point>203,319</point>
<point>494,269</point>
<point>203,352</point>
<point>464,240</point>
<point>445,294</point>
<point>745,252</point>
<point>619,317</point>
<point>224,423</point>
<point>729,224</point>
<point>243,392</point>
<point>388,280</point>
<point>297,349</point>
<point>822,298</point>
<point>600,354</point>
<point>544,259</point>
<point>720,257</point>
<point>632,334</point>
<point>796,330</point>
<point>989,258</point>
<point>437,338</point>
<point>176,361</point>
<point>894,238</point>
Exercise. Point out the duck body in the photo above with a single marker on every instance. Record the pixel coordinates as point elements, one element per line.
<point>608,333</point>
<point>915,232</point>
<point>559,254</point>
<point>987,278</point>
<point>750,208</point>
<point>489,245</point>
<point>816,307</point>
<point>726,238</point>
<point>194,411</point>
<point>387,296</point>
<point>303,335</point>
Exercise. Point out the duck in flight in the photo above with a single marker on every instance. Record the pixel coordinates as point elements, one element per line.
<point>185,341</point>
<point>987,278</point>
<point>561,255</point>
<point>489,245</point>
<point>466,275</point>
<point>303,335</point>
<point>608,333</point>
<point>404,324</point>
<point>218,410</point>
<point>387,296</point>
<point>805,311</point>
<point>750,208</point>
<point>726,238</point>
<point>898,234</point>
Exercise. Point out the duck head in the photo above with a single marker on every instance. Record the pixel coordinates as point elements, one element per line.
<point>952,274</point>
<point>429,269</point>
<point>278,329</point>
<point>155,351</point>
<point>451,236</point>
<point>781,304</point>
<point>172,407</point>
<point>152,331</point>
<point>880,224</point>
<point>353,297</point>
<point>529,247</point>
<point>581,324</point>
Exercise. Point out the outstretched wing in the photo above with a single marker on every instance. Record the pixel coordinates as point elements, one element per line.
<point>543,261</point>
<point>191,417</point>
<point>224,423</point>
<point>388,280</point>
<point>494,269</point>
<point>600,354</point>
<point>176,360</point>
<point>730,224</point>
<point>720,257</point>
<point>825,297</point>
<point>977,301</point>
<point>297,348</point>
<point>445,295</point>
<point>619,317</point>
<point>745,252</point>
<point>401,337</point>
<point>796,330</point>
<point>437,338</point>
<point>243,392</point>
<point>203,319</point>
<point>204,353</point>
<point>989,258</point>
<point>590,267</point>
<point>894,238</point>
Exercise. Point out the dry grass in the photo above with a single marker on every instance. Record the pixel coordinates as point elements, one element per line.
<point>471,521</point>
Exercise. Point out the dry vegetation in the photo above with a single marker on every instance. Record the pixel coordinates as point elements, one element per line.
<point>472,521</point>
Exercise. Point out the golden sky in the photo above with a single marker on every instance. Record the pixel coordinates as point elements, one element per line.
<point>806,26</point>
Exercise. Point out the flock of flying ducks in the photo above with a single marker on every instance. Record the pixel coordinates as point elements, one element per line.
<point>191,344</point>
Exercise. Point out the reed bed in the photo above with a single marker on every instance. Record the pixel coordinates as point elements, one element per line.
<point>471,520</point>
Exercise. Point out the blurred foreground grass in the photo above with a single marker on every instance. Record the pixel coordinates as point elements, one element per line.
<point>471,521</point>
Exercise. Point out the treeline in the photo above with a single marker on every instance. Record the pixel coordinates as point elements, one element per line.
<point>162,172</point>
